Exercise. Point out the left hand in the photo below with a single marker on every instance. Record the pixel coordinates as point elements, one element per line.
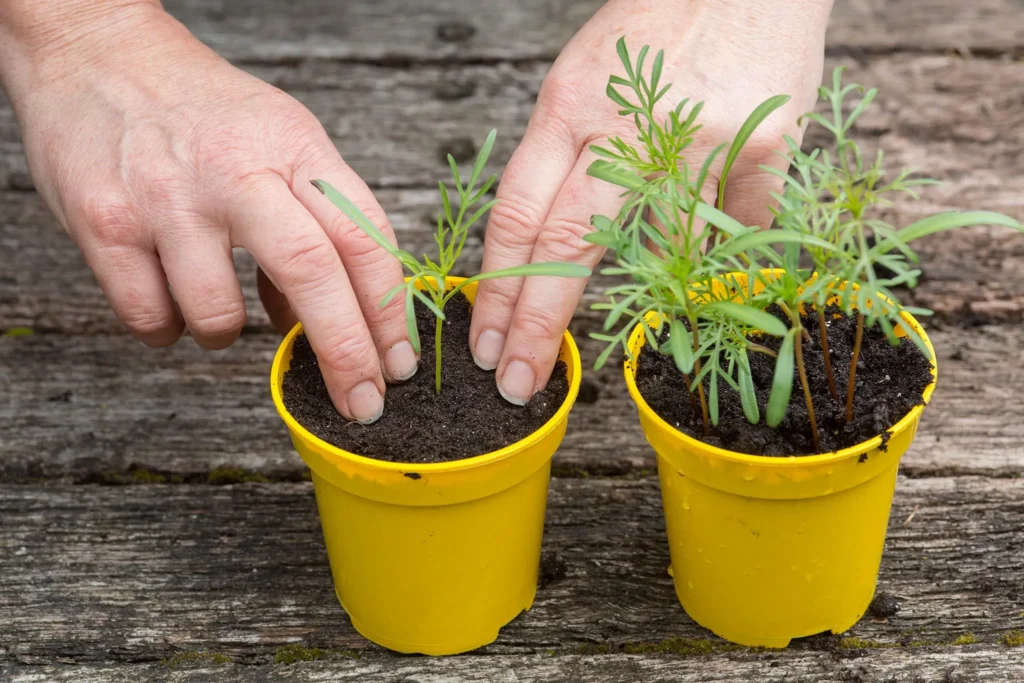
<point>731,54</point>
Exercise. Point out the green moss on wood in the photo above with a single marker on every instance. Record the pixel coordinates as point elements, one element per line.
<point>195,659</point>
<point>1014,638</point>
<point>966,639</point>
<point>18,332</point>
<point>290,654</point>
<point>593,649</point>
<point>235,475</point>
<point>863,644</point>
<point>682,647</point>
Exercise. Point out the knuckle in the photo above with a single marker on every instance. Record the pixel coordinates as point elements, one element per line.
<point>148,322</point>
<point>221,321</point>
<point>558,101</point>
<point>347,353</point>
<point>514,223</point>
<point>500,294</point>
<point>562,239</point>
<point>536,324</point>
<point>110,220</point>
<point>306,260</point>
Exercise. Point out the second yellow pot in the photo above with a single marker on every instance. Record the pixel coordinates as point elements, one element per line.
<point>769,549</point>
<point>433,558</point>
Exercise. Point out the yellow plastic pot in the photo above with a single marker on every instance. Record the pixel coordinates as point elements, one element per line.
<point>767,549</point>
<point>433,558</point>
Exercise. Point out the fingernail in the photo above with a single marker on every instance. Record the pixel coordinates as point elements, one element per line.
<point>400,362</point>
<point>516,385</point>
<point>365,403</point>
<point>489,346</point>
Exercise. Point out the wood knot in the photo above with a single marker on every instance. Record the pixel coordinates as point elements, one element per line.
<point>449,91</point>
<point>455,32</point>
<point>461,149</point>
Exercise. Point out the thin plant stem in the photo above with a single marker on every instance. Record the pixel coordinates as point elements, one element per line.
<point>798,348</point>
<point>823,331</point>
<point>803,330</point>
<point>438,323</point>
<point>761,349</point>
<point>852,386</point>
<point>700,385</point>
<point>694,406</point>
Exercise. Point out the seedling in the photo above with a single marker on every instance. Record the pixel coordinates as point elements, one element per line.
<point>428,281</point>
<point>660,246</point>
<point>682,270</point>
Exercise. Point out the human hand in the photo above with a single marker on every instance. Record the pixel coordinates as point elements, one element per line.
<point>158,157</point>
<point>730,54</point>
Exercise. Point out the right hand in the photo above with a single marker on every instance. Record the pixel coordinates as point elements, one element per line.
<point>158,157</point>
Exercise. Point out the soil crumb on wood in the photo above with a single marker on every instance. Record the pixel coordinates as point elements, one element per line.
<point>890,382</point>
<point>468,418</point>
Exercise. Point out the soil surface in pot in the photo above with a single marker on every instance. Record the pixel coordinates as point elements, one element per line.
<point>890,382</point>
<point>468,418</point>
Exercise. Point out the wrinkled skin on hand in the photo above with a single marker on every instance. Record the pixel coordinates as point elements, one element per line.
<point>732,55</point>
<point>158,157</point>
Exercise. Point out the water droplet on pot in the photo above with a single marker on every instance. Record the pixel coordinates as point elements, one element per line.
<point>690,584</point>
<point>809,577</point>
<point>670,573</point>
<point>686,504</point>
<point>748,476</point>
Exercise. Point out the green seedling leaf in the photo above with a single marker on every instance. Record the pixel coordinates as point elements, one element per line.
<point>410,320</point>
<point>782,382</point>
<point>755,119</point>
<point>680,346</point>
<point>357,217</point>
<point>390,294</point>
<point>713,395</point>
<point>614,174</point>
<point>434,308</point>
<point>481,157</point>
<point>943,222</point>
<point>748,315</point>
<point>550,269</point>
<point>748,396</point>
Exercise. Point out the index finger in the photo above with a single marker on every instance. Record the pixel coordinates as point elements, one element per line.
<point>301,261</point>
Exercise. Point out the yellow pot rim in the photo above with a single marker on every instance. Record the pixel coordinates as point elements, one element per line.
<point>790,460</point>
<point>276,390</point>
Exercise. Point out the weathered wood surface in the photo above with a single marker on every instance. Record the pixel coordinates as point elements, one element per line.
<point>960,665</point>
<point>80,408</point>
<point>537,29</point>
<point>139,573</point>
<point>957,118</point>
<point>960,119</point>
<point>115,579</point>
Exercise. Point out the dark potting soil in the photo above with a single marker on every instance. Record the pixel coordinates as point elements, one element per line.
<point>890,382</point>
<point>468,418</point>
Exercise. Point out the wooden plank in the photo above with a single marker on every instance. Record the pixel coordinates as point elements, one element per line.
<point>460,30</point>
<point>954,117</point>
<point>138,574</point>
<point>975,664</point>
<point>957,118</point>
<point>79,408</point>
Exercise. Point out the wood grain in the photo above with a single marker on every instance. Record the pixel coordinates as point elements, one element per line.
<point>456,30</point>
<point>82,408</point>
<point>136,574</point>
<point>985,664</point>
<point>960,119</point>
